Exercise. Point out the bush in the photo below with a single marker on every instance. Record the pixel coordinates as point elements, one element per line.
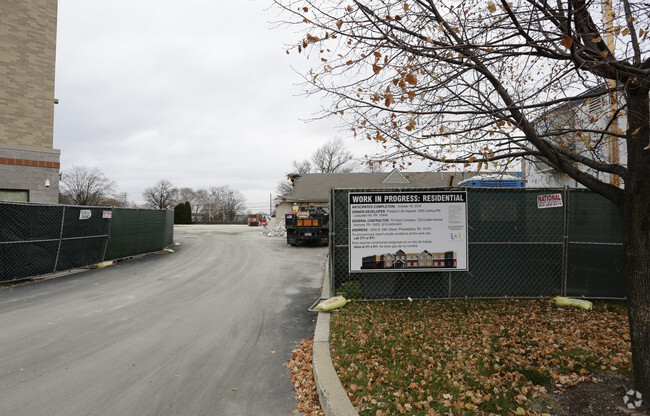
<point>183,213</point>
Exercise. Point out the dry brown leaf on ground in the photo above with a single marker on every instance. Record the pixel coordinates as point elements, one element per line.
<point>302,377</point>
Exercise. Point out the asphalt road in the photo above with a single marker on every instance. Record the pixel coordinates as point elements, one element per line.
<point>203,331</point>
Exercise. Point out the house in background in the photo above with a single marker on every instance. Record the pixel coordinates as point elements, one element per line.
<point>29,165</point>
<point>314,188</point>
<point>563,125</point>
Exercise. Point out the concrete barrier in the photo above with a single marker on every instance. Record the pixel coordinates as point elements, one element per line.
<point>333,399</point>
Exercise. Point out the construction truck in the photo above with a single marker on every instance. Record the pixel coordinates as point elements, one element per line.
<point>308,225</point>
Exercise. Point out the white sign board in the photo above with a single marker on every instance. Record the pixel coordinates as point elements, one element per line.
<point>107,214</point>
<point>84,214</point>
<point>408,231</point>
<point>549,201</point>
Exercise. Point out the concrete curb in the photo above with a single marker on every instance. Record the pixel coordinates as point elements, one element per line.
<point>333,399</point>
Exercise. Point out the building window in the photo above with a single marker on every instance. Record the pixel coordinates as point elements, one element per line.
<point>14,195</point>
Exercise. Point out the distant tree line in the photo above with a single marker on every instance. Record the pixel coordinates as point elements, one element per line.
<point>212,205</point>
<point>89,186</point>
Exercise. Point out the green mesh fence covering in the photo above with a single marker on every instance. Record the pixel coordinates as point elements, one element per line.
<point>39,239</point>
<point>595,253</point>
<point>516,248</point>
<point>138,231</point>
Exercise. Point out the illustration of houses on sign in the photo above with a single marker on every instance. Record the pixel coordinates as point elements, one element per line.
<point>400,259</point>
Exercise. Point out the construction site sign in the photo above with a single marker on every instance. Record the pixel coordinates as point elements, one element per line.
<point>408,231</point>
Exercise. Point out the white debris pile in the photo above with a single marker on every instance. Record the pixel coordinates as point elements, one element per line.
<point>275,230</point>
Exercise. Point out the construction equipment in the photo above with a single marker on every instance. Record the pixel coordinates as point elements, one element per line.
<point>311,225</point>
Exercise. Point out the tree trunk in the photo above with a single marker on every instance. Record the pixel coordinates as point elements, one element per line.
<point>636,246</point>
<point>636,234</point>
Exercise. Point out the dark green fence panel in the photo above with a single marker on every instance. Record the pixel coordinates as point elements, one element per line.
<point>29,239</point>
<point>593,218</point>
<point>139,231</point>
<point>123,241</point>
<point>150,235</point>
<point>19,261</point>
<point>24,222</point>
<point>82,252</point>
<point>84,237</point>
<point>512,270</point>
<point>152,231</point>
<point>77,223</point>
<point>168,237</point>
<point>595,271</point>
<point>595,251</point>
<point>39,239</point>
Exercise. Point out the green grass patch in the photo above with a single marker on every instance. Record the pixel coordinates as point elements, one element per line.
<point>470,357</point>
<point>351,289</point>
<point>536,376</point>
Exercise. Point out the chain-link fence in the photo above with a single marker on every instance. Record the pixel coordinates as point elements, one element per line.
<point>514,249</point>
<point>40,239</point>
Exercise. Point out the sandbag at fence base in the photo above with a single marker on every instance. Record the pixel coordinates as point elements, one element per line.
<point>578,303</point>
<point>332,303</point>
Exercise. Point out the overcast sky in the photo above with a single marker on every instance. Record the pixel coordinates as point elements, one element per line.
<point>198,92</point>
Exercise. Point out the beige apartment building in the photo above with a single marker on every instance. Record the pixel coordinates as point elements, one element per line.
<point>29,165</point>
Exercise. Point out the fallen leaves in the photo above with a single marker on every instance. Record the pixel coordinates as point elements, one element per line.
<point>302,377</point>
<point>471,357</point>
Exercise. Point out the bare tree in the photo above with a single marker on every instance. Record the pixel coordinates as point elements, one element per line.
<point>219,203</point>
<point>233,202</point>
<point>298,168</point>
<point>301,167</point>
<point>161,196</point>
<point>199,211</point>
<point>122,199</point>
<point>85,186</point>
<point>186,194</point>
<point>284,187</point>
<point>474,82</point>
<point>332,157</point>
<point>117,200</point>
<point>213,202</point>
